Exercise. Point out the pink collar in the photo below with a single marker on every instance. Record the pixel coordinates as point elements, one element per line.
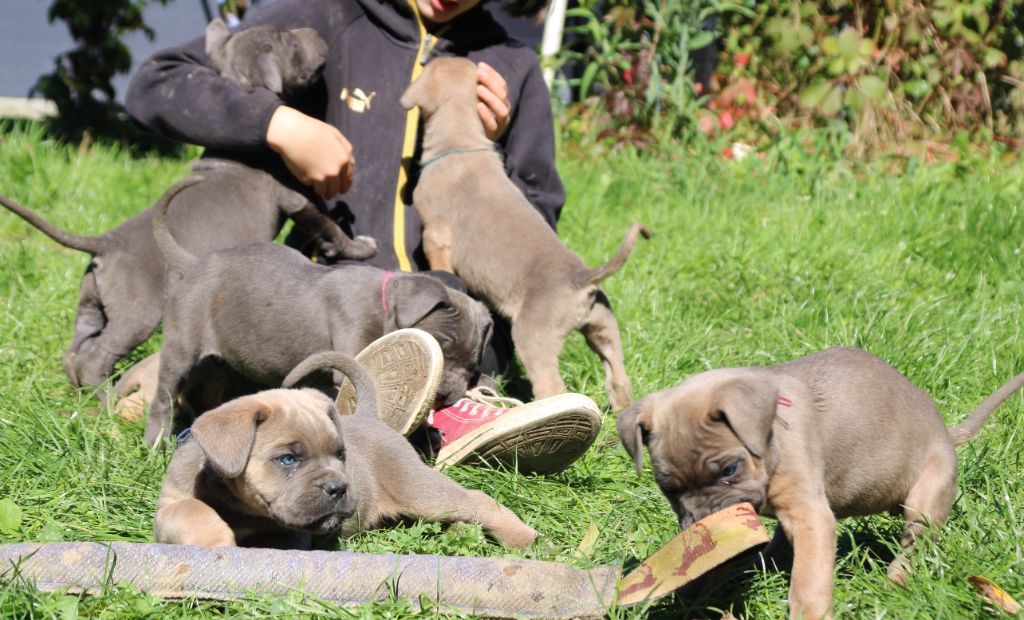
<point>383,290</point>
<point>785,402</point>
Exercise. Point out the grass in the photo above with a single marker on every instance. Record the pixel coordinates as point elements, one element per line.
<point>753,262</point>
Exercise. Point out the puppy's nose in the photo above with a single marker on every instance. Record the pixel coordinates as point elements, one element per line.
<point>334,489</point>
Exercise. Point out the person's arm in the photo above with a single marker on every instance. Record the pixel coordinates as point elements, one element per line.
<point>177,94</point>
<point>529,145</point>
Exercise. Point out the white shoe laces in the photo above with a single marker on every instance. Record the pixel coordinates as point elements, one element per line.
<point>482,401</point>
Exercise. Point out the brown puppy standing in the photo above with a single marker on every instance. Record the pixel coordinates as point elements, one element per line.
<point>835,434</point>
<point>478,225</point>
<point>274,468</point>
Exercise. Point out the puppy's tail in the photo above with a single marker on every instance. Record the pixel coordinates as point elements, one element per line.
<point>969,428</point>
<point>177,257</point>
<point>608,269</point>
<point>366,392</point>
<point>92,245</point>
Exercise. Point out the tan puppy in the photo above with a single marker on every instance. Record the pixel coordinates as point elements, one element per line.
<point>836,434</point>
<point>478,225</point>
<point>274,468</point>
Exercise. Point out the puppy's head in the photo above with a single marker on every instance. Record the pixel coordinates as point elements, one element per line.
<point>460,324</point>
<point>710,440</point>
<point>445,81</point>
<point>281,455</point>
<point>283,61</point>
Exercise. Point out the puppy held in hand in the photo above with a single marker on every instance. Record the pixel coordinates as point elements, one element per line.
<point>274,468</point>
<point>121,296</point>
<point>259,310</point>
<point>471,210</point>
<point>283,61</point>
<point>835,434</point>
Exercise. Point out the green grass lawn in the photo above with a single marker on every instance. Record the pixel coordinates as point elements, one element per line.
<point>751,263</point>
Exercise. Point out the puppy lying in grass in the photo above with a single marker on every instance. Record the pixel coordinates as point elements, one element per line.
<point>835,434</point>
<point>121,296</point>
<point>275,468</point>
<point>478,225</point>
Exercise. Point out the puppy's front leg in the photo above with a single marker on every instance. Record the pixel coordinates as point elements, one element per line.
<point>437,245</point>
<point>191,522</point>
<point>332,241</point>
<point>811,528</point>
<point>433,496</point>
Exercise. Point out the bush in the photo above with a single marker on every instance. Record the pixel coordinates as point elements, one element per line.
<point>80,84</point>
<point>889,70</point>
<point>637,58</point>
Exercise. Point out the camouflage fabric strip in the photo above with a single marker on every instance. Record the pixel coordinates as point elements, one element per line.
<point>493,587</point>
<point>699,548</point>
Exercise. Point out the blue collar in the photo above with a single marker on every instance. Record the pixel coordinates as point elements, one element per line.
<point>183,437</point>
<point>433,160</point>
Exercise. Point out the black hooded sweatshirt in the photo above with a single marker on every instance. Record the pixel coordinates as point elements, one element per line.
<point>375,49</point>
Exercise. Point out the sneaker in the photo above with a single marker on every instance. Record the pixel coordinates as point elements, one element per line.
<point>405,366</point>
<point>135,391</point>
<point>542,437</point>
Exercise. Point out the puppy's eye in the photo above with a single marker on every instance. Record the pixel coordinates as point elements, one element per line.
<point>340,455</point>
<point>730,470</point>
<point>287,460</point>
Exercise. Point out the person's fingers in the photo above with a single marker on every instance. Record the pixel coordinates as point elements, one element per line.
<point>487,116</point>
<point>320,187</point>
<point>497,105</point>
<point>487,76</point>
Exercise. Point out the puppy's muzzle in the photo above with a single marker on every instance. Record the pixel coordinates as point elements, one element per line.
<point>689,518</point>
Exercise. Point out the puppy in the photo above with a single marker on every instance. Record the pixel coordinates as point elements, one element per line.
<point>835,434</point>
<point>470,210</point>
<point>274,468</point>
<point>261,309</point>
<point>121,296</point>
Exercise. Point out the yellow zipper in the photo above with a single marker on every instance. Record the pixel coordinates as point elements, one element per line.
<point>412,122</point>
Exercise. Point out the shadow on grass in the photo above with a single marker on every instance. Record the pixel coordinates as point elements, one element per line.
<point>120,133</point>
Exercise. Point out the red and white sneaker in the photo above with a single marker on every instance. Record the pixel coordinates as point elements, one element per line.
<point>405,366</point>
<point>544,436</point>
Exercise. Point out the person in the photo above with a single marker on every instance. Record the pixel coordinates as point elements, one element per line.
<point>376,48</point>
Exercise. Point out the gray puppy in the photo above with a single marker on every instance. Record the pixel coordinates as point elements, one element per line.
<point>274,468</point>
<point>121,296</point>
<point>261,309</point>
<point>283,61</point>
<point>835,434</point>
<point>471,210</point>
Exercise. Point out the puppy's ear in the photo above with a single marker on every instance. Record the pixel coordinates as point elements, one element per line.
<point>227,433</point>
<point>413,95</point>
<point>217,35</point>
<point>634,424</point>
<point>748,406</point>
<point>410,300</point>
<point>267,73</point>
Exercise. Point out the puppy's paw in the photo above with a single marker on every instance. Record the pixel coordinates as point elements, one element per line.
<point>360,248</point>
<point>512,532</point>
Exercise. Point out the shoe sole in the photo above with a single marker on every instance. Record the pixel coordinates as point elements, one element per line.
<point>406,367</point>
<point>533,442</point>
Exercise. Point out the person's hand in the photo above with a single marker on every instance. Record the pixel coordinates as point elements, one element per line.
<point>315,152</point>
<point>493,107</point>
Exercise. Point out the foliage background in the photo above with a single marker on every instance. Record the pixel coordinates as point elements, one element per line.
<point>892,72</point>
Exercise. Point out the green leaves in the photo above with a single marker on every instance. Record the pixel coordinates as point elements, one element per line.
<point>10,516</point>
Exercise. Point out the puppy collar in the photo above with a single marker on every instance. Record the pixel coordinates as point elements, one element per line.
<point>784,401</point>
<point>384,289</point>
<point>436,158</point>
<point>182,437</point>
